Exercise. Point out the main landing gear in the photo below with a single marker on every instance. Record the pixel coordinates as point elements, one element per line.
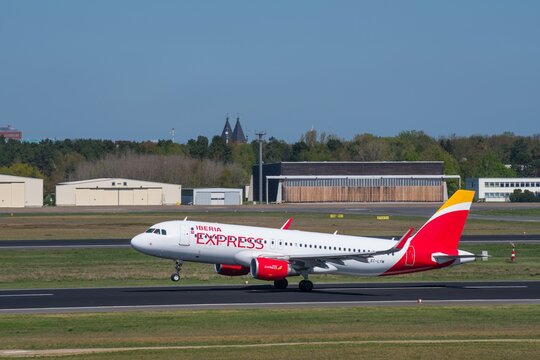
<point>281,284</point>
<point>305,285</point>
<point>178,268</point>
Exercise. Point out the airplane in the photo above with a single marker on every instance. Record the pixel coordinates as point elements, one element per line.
<point>276,254</point>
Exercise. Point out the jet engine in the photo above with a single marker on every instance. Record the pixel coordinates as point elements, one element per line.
<point>231,270</point>
<point>270,269</point>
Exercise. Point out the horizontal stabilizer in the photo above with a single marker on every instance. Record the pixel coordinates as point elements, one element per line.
<point>441,258</point>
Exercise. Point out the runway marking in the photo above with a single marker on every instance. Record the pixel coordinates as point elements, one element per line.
<point>83,351</point>
<point>22,295</point>
<point>381,288</point>
<point>496,287</point>
<point>265,304</point>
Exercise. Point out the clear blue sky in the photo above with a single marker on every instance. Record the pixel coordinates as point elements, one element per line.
<point>135,69</point>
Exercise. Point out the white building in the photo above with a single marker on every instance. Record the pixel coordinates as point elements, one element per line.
<point>18,191</point>
<point>499,189</point>
<point>115,192</point>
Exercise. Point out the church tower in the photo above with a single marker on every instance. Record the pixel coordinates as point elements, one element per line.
<point>238,136</point>
<point>227,132</point>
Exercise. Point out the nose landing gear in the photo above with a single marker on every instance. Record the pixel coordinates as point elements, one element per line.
<point>178,268</point>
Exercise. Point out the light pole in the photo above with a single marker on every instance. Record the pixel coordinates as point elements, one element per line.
<point>260,134</point>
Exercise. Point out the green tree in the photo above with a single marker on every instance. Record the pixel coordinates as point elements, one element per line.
<point>219,150</point>
<point>275,151</point>
<point>198,148</point>
<point>521,158</point>
<point>20,169</point>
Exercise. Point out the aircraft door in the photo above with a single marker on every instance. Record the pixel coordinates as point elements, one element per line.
<point>184,235</point>
<point>409,257</point>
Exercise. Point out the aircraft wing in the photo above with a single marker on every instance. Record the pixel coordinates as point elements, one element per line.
<point>321,260</point>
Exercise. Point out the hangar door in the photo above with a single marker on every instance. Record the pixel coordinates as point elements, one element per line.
<point>147,197</point>
<point>12,195</point>
<point>114,197</point>
<point>96,197</point>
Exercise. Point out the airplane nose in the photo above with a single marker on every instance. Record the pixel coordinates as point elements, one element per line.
<point>137,242</point>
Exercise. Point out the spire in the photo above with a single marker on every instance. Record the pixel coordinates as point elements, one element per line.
<point>238,134</point>
<point>227,132</point>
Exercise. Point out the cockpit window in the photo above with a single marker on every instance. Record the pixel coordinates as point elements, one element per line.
<point>156,231</point>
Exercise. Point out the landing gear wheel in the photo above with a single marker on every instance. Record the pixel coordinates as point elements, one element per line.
<point>178,268</point>
<point>305,285</point>
<point>281,284</point>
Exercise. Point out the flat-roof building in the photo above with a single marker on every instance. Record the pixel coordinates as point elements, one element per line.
<point>350,181</point>
<point>499,189</point>
<point>212,196</point>
<point>9,132</point>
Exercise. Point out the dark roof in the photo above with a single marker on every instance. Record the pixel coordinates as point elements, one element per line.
<point>238,134</point>
<point>227,132</point>
<point>354,168</point>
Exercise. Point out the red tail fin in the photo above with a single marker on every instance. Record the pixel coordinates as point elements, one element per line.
<point>439,235</point>
<point>443,230</point>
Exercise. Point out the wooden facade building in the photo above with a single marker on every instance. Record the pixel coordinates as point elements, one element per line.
<point>387,181</point>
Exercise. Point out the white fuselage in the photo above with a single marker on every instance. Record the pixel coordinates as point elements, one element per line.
<point>237,245</point>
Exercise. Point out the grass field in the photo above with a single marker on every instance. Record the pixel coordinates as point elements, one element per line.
<point>125,267</point>
<point>121,226</point>
<point>443,332</point>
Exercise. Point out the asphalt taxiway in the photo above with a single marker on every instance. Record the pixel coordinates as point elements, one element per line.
<point>265,296</point>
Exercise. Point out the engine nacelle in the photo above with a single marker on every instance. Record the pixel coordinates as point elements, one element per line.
<point>270,269</point>
<point>231,270</point>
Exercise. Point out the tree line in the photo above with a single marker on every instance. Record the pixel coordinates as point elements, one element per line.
<point>204,162</point>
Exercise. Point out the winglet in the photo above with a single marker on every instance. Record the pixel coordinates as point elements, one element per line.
<point>404,239</point>
<point>287,224</point>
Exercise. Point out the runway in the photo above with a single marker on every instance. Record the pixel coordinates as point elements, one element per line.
<point>123,243</point>
<point>265,296</point>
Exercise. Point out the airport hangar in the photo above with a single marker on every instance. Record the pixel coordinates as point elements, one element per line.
<point>347,181</point>
<point>18,192</point>
<point>116,192</point>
